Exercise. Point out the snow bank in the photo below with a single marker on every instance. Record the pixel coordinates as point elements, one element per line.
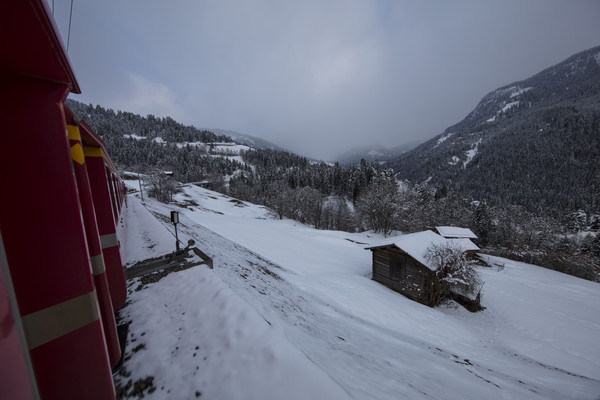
<point>444,138</point>
<point>546,315</point>
<point>510,105</point>
<point>201,337</point>
<point>134,136</point>
<point>145,236</point>
<point>196,337</point>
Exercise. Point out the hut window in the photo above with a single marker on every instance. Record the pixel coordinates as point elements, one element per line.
<point>397,268</point>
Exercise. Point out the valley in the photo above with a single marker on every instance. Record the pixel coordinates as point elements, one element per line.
<point>534,340</point>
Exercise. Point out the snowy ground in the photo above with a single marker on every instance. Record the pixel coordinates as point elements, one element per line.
<point>289,311</point>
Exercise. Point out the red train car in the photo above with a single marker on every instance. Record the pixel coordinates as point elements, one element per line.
<point>61,275</point>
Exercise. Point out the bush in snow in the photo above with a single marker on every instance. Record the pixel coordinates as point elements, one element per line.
<point>454,276</point>
<point>162,185</point>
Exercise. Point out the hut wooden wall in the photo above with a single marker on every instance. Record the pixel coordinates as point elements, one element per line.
<point>412,282</point>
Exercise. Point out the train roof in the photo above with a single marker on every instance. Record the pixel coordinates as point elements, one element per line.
<point>31,43</point>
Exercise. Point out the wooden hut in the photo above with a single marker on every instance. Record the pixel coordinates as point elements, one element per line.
<point>400,264</point>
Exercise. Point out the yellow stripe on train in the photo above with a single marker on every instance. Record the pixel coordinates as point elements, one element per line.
<point>77,153</point>
<point>93,151</point>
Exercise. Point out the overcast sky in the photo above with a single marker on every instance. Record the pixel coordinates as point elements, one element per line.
<point>316,77</point>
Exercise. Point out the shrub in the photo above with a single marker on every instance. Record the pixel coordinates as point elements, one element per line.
<point>454,276</point>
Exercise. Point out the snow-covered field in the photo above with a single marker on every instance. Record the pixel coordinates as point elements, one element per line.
<point>291,312</point>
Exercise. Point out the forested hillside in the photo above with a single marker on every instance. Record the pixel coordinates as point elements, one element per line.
<point>137,142</point>
<point>359,197</point>
<point>534,143</point>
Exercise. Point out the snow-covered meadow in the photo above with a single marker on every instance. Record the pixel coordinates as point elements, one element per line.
<point>291,312</point>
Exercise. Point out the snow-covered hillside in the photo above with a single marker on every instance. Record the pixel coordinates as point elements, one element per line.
<point>289,311</point>
<point>531,143</point>
<point>227,150</point>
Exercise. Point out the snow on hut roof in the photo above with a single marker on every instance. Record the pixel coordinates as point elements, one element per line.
<point>464,244</point>
<point>455,232</point>
<point>416,244</point>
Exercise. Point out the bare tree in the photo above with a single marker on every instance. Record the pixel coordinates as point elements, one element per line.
<point>163,186</point>
<point>308,203</point>
<point>453,274</point>
<point>278,196</point>
<point>379,205</point>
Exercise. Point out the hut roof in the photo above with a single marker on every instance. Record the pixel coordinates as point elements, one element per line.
<point>464,244</point>
<point>455,232</point>
<point>416,244</point>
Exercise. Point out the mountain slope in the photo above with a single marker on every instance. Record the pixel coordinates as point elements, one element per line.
<point>315,287</point>
<point>534,142</point>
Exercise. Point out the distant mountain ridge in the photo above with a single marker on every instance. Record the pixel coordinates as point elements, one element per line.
<point>535,142</point>
<point>248,140</point>
<point>374,153</point>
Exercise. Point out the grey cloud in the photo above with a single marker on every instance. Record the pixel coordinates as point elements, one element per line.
<point>317,77</point>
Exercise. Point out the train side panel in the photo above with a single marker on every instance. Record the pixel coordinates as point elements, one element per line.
<point>45,245</point>
<point>57,331</point>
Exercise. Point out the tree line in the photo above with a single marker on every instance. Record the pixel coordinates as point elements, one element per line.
<point>368,197</point>
<point>365,196</point>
